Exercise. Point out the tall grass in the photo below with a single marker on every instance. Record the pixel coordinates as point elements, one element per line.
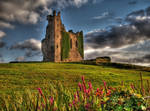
<point>58,98</point>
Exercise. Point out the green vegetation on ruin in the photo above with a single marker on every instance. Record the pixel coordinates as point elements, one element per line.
<point>80,44</point>
<point>21,76</point>
<point>65,45</point>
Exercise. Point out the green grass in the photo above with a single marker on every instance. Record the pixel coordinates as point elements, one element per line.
<point>21,76</point>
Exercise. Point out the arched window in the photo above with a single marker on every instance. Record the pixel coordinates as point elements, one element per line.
<point>71,43</point>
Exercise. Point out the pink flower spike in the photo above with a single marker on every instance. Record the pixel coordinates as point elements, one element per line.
<point>97,89</point>
<point>83,79</point>
<point>75,96</point>
<point>90,85</point>
<point>74,102</point>
<point>105,84</point>
<point>87,106</point>
<point>70,105</point>
<point>51,100</point>
<point>132,86</point>
<point>80,86</point>
<point>42,105</point>
<point>40,91</point>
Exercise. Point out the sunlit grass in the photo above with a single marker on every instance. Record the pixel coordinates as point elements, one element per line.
<point>19,76</point>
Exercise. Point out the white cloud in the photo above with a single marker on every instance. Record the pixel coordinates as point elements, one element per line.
<point>2,34</point>
<point>30,44</point>
<point>6,25</point>
<point>78,3</point>
<point>102,16</point>
<point>21,58</point>
<point>29,11</point>
<point>24,11</point>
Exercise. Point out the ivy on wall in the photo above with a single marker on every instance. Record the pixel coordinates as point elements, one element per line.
<point>80,44</point>
<point>65,45</point>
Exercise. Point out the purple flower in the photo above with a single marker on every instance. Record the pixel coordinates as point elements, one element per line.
<point>70,105</point>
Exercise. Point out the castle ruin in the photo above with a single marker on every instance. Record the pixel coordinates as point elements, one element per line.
<point>60,45</point>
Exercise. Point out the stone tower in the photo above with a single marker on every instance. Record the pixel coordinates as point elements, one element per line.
<point>60,45</point>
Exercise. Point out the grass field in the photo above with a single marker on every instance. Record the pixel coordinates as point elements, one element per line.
<point>20,76</point>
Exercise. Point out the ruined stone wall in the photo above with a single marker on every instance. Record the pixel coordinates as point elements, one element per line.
<point>48,43</point>
<point>58,27</point>
<point>74,55</point>
<point>52,44</point>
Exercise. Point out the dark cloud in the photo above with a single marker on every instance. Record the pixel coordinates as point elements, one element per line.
<point>31,44</point>
<point>32,53</point>
<point>116,37</point>
<point>137,13</point>
<point>144,59</point>
<point>135,31</point>
<point>32,47</point>
<point>119,20</point>
<point>132,2</point>
<point>148,11</point>
<point>1,58</point>
<point>29,11</point>
<point>2,44</point>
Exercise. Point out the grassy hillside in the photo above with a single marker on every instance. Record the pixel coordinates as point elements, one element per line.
<point>19,76</point>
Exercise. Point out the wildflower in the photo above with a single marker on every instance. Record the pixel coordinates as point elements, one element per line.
<point>51,100</point>
<point>75,96</point>
<point>97,90</point>
<point>132,86</point>
<point>84,88</point>
<point>40,91</point>
<point>102,102</point>
<point>70,105</point>
<point>87,106</point>
<point>90,85</point>
<point>108,92</point>
<point>138,95</point>
<point>80,86</point>
<point>74,102</point>
<point>42,105</point>
<point>83,79</point>
<point>105,86</point>
<point>78,95</point>
<point>87,91</point>
<point>104,83</point>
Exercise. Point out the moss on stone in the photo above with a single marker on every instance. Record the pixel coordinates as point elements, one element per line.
<point>80,44</point>
<point>65,45</point>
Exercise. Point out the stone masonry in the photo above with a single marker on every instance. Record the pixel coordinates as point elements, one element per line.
<point>52,43</point>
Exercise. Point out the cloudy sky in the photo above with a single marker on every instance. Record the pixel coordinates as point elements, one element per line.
<point>116,28</point>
